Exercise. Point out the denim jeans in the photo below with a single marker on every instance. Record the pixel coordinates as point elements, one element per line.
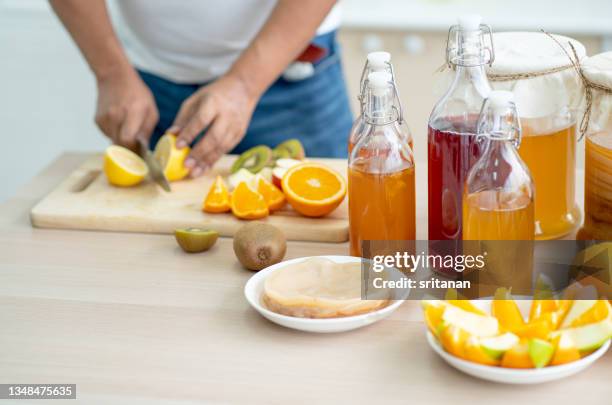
<point>315,110</point>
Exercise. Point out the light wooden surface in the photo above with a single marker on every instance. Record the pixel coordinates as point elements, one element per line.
<point>131,319</point>
<point>85,200</point>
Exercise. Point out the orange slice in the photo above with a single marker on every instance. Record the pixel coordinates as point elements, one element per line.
<point>466,305</point>
<point>538,329</point>
<point>313,190</point>
<point>473,351</point>
<point>248,204</point>
<point>453,340</point>
<point>218,199</point>
<point>453,297</point>
<point>433,318</point>
<point>518,356</point>
<point>273,196</point>
<point>565,351</point>
<point>506,311</point>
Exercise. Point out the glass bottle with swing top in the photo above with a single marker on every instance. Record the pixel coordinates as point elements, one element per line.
<point>381,179</point>
<point>375,62</point>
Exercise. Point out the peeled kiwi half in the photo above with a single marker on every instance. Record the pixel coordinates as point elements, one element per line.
<point>293,148</point>
<point>196,240</point>
<point>253,159</point>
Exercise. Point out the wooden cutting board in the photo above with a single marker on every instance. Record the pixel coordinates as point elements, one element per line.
<point>85,200</point>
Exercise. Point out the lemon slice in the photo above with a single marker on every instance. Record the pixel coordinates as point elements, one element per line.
<point>171,159</point>
<point>123,167</point>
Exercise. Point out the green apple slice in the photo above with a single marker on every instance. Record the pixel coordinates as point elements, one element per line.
<point>577,309</point>
<point>540,352</point>
<point>474,324</point>
<point>588,337</point>
<point>495,347</point>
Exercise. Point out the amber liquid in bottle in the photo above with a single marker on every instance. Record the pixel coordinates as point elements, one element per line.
<point>382,206</point>
<point>498,215</point>
<point>381,181</point>
<point>498,202</point>
<point>556,213</point>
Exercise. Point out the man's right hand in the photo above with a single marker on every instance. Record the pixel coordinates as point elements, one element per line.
<point>126,108</point>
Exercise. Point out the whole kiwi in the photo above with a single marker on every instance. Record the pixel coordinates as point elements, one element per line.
<point>258,245</point>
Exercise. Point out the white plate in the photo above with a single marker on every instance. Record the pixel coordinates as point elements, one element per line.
<point>253,291</point>
<point>515,376</point>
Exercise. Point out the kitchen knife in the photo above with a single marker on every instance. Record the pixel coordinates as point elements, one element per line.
<point>155,170</point>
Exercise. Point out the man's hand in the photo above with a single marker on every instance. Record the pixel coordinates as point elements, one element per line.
<point>126,108</point>
<point>224,108</point>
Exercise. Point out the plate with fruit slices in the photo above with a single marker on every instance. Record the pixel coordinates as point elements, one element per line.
<point>522,342</point>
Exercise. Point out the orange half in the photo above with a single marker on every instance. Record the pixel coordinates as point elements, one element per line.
<point>313,189</point>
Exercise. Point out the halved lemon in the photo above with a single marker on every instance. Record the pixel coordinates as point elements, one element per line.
<point>313,189</point>
<point>171,159</point>
<point>123,167</point>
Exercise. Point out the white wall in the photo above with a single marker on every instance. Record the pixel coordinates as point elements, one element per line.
<point>47,94</point>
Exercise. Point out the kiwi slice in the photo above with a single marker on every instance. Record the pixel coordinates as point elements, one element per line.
<point>278,154</point>
<point>293,147</point>
<point>196,240</point>
<point>253,159</point>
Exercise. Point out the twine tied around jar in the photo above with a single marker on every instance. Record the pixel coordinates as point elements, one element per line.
<point>588,85</point>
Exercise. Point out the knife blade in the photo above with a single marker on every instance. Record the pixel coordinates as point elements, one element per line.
<point>155,170</point>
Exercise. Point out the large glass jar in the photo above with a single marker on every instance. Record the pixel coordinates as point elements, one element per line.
<point>598,156</point>
<point>547,91</point>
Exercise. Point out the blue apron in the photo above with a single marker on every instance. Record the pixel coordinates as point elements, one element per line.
<point>315,110</point>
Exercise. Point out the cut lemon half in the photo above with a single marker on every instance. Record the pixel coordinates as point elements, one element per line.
<point>313,189</point>
<point>123,167</point>
<point>171,159</point>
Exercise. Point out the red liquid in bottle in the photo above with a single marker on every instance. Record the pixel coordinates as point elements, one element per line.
<point>451,154</point>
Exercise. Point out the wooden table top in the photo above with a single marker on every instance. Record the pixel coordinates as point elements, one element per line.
<point>131,319</point>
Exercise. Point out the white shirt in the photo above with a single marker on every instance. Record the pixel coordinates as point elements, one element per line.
<point>192,41</point>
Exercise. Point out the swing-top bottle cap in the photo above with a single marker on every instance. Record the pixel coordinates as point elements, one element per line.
<point>379,82</point>
<point>379,60</point>
<point>499,118</point>
<point>500,100</point>
<point>470,22</point>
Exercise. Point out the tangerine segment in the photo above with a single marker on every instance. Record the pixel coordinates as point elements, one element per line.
<point>313,189</point>
<point>218,199</point>
<point>275,199</point>
<point>248,204</point>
